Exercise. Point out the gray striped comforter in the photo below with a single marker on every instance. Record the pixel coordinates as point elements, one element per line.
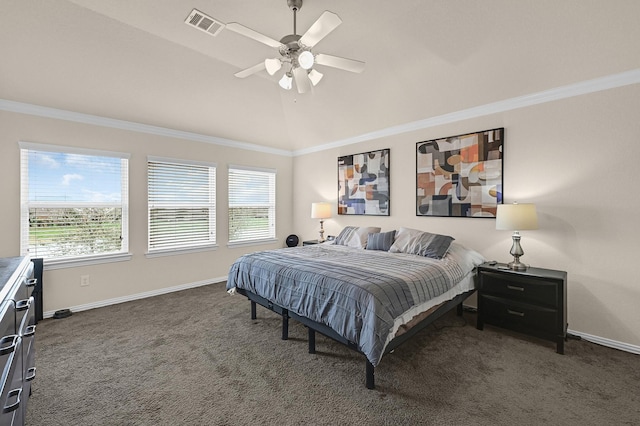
<point>358,293</point>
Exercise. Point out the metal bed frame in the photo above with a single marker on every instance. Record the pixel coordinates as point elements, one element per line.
<point>313,326</point>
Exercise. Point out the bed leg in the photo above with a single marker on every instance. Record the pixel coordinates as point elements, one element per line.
<point>312,340</point>
<point>370,376</point>
<point>285,324</point>
<point>459,309</point>
<point>253,310</point>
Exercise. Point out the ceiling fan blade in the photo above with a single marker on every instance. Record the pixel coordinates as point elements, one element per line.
<point>326,23</point>
<point>254,69</point>
<point>248,32</point>
<point>302,80</point>
<point>338,62</point>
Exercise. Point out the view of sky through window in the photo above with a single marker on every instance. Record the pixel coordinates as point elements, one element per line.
<point>64,177</point>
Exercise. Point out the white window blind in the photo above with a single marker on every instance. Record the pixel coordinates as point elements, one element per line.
<point>74,203</point>
<point>252,204</point>
<point>182,205</point>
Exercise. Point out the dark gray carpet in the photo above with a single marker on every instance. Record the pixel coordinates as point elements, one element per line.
<point>195,358</point>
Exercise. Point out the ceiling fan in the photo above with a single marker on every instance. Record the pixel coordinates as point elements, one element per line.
<point>295,52</point>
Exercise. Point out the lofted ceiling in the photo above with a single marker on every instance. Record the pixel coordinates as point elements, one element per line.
<point>136,60</point>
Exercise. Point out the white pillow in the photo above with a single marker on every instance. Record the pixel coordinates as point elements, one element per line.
<point>356,236</point>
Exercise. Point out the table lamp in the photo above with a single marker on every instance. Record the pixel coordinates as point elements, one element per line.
<point>321,211</point>
<point>516,217</point>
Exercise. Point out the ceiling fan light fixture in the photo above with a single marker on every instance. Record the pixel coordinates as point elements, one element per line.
<point>295,50</point>
<point>315,77</point>
<point>272,65</point>
<point>286,82</point>
<point>306,60</point>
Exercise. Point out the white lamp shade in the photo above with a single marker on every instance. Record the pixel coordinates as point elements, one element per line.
<point>272,65</point>
<point>315,77</point>
<point>516,217</point>
<point>286,82</point>
<point>320,210</point>
<point>305,60</point>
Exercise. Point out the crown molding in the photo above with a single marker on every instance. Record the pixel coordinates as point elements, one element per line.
<point>562,92</point>
<point>59,114</point>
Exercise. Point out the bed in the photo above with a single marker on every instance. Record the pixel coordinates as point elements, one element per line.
<point>370,300</point>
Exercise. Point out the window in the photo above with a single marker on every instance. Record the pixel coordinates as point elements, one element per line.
<point>182,205</point>
<point>74,204</point>
<point>252,205</point>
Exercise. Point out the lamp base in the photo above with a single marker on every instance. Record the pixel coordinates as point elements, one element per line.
<point>516,252</point>
<point>321,233</point>
<point>517,266</point>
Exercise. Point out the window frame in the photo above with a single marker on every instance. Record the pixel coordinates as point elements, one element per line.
<point>212,205</point>
<point>272,205</point>
<point>25,205</point>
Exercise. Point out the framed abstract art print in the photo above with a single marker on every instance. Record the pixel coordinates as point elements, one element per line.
<point>363,183</point>
<point>460,176</point>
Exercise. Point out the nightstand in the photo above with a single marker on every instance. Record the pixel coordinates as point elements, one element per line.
<point>310,242</point>
<point>533,302</point>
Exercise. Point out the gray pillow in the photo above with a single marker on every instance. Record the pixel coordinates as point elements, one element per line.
<point>381,241</point>
<point>432,245</point>
<point>413,241</point>
<point>345,235</point>
<point>355,236</point>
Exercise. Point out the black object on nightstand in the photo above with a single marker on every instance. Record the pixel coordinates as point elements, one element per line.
<point>310,242</point>
<point>292,240</point>
<point>533,302</point>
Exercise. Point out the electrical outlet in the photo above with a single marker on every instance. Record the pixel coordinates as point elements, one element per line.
<point>84,280</point>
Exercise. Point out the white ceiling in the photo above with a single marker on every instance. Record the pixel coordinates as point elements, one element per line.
<point>137,60</point>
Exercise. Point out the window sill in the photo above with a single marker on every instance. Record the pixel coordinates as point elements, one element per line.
<point>85,261</point>
<point>173,252</point>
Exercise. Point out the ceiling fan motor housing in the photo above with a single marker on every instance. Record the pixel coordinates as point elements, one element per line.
<point>290,46</point>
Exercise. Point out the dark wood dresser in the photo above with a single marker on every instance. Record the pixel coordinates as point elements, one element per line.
<point>532,301</point>
<point>17,332</point>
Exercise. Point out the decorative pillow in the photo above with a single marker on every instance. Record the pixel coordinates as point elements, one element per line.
<point>381,241</point>
<point>413,241</point>
<point>355,236</point>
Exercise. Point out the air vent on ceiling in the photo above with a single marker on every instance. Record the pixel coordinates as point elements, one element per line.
<point>204,23</point>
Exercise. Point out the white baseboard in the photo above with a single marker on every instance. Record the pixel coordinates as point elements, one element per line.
<point>115,301</point>
<point>607,342</point>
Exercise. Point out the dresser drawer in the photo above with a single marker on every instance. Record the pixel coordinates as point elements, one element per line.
<point>521,288</point>
<point>519,316</point>
<point>10,366</point>
<point>27,283</point>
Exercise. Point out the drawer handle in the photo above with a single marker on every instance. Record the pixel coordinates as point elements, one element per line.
<point>513,287</point>
<point>516,313</point>
<point>12,407</point>
<point>29,331</point>
<point>32,282</point>
<point>31,374</point>
<point>8,344</point>
<point>23,305</point>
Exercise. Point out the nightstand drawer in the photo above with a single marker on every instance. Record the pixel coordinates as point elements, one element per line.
<point>521,288</point>
<point>532,302</point>
<point>518,316</point>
